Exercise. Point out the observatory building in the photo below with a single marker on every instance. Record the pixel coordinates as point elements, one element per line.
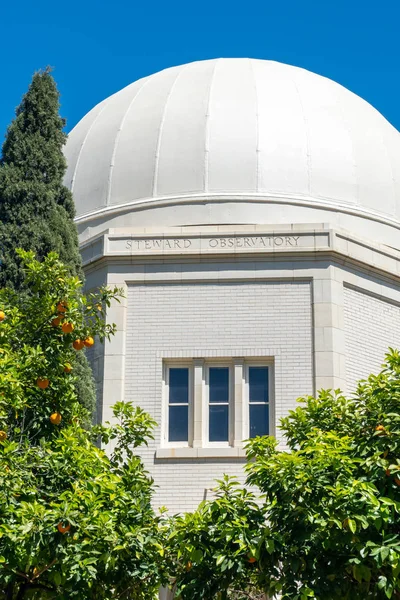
<point>250,210</point>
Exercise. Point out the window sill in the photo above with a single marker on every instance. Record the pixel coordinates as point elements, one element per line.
<point>201,453</point>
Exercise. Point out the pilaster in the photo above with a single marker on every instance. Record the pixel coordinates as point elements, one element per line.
<point>115,350</point>
<point>329,333</point>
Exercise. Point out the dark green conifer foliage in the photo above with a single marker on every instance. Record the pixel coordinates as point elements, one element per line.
<point>36,209</point>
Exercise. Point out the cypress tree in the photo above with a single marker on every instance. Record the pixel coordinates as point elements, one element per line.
<point>36,209</point>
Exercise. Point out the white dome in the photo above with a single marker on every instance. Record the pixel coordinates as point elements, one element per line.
<point>234,130</point>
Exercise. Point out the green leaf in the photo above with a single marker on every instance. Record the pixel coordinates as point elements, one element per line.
<point>386,500</point>
<point>352,525</point>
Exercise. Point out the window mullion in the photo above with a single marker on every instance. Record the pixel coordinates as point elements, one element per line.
<point>237,401</point>
<point>198,401</point>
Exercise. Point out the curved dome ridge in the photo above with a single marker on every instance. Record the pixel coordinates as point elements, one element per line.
<point>245,129</point>
<point>207,126</point>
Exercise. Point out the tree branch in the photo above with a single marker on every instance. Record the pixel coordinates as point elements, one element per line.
<point>46,568</point>
<point>6,566</point>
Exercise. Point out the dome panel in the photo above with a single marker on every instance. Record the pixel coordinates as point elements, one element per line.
<point>231,163</point>
<point>376,188</point>
<point>390,138</point>
<point>182,148</point>
<point>329,141</point>
<point>282,143</point>
<point>74,150</point>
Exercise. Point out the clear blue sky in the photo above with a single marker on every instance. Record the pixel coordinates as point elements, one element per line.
<point>98,47</point>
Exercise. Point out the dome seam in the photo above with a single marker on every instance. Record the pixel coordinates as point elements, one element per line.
<point>392,180</point>
<point>207,129</point>
<point>309,164</point>
<point>353,153</point>
<point>257,126</point>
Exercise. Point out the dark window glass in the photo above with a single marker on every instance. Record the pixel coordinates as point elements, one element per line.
<point>178,423</point>
<point>258,383</point>
<point>219,384</point>
<point>178,419</point>
<point>219,423</point>
<point>259,420</point>
<point>178,386</point>
<point>218,404</point>
<point>258,401</point>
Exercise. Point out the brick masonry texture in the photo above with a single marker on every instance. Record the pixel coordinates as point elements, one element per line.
<point>372,326</point>
<point>222,319</point>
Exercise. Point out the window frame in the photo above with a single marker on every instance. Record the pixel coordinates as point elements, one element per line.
<point>223,363</point>
<point>246,395</point>
<point>239,400</point>
<point>172,364</point>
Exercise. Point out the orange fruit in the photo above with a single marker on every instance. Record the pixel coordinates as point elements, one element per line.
<point>2,316</point>
<point>388,472</point>
<point>188,565</point>
<point>252,559</point>
<point>42,383</point>
<point>78,344</point>
<point>63,529</point>
<point>89,341</point>
<point>56,321</point>
<point>3,436</point>
<point>62,307</point>
<point>98,306</point>
<point>67,327</point>
<point>67,368</point>
<point>55,418</point>
<point>380,428</point>
<point>397,481</point>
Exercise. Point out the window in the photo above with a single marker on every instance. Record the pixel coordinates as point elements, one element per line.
<point>216,402</point>
<point>258,382</point>
<point>178,404</point>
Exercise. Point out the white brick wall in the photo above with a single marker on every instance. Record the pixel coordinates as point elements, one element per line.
<point>221,319</point>
<point>372,326</point>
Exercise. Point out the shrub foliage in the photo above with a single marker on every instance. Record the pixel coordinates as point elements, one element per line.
<point>74,521</point>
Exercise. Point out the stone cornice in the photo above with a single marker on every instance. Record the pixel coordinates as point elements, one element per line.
<point>245,242</point>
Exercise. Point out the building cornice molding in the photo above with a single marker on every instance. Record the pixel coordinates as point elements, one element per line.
<point>258,242</point>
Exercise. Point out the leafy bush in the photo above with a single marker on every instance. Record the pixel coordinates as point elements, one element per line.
<point>332,502</point>
<point>214,548</point>
<point>74,522</point>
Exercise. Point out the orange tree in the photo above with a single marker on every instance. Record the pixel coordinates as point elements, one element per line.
<point>326,524</point>
<point>74,522</point>
<point>214,548</point>
<point>333,501</point>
